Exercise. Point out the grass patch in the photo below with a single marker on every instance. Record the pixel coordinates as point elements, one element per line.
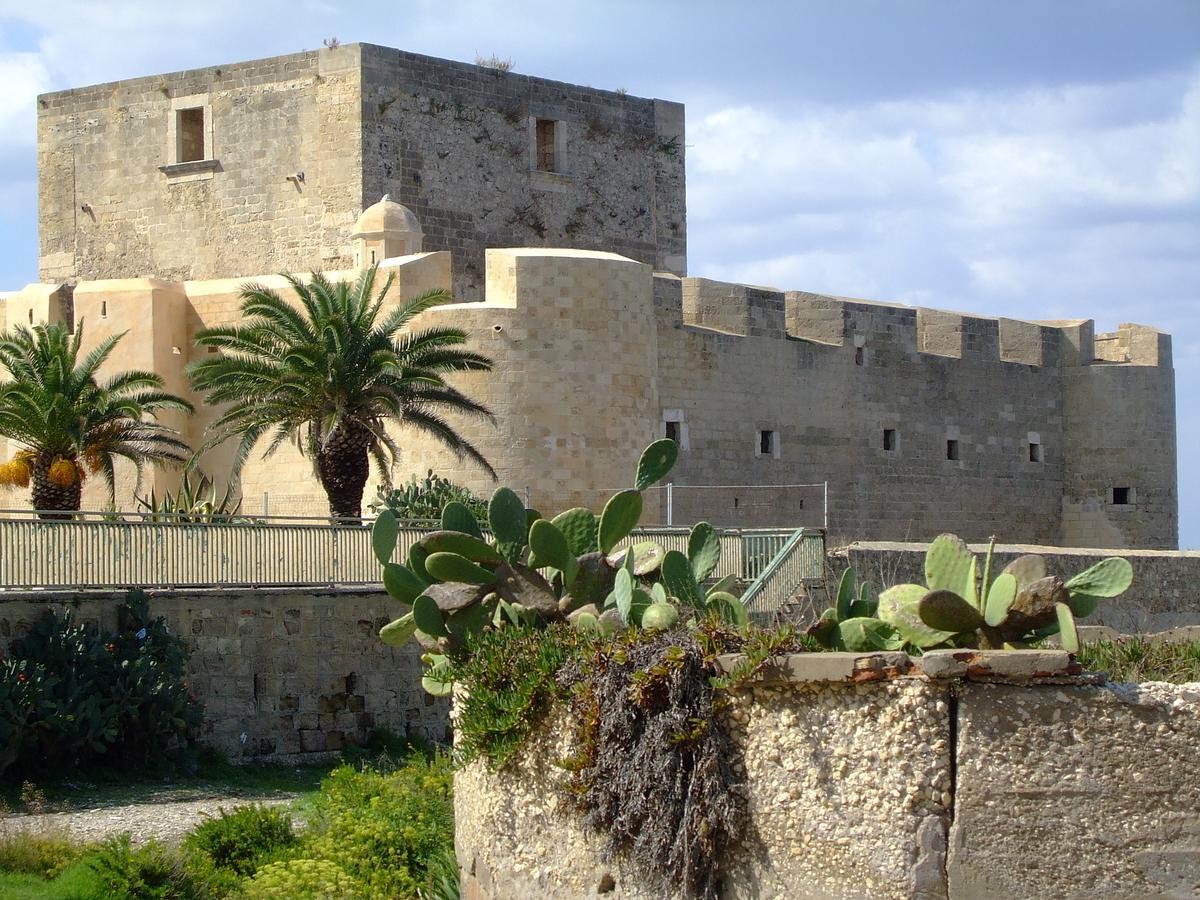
<point>77,881</point>
<point>1137,660</point>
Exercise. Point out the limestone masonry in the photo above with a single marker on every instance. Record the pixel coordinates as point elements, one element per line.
<point>160,197</point>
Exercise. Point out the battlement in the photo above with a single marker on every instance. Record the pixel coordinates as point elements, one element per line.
<point>867,325</point>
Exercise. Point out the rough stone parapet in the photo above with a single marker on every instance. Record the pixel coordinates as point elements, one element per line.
<point>910,787</point>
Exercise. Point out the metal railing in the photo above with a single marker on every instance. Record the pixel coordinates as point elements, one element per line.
<point>801,559</point>
<point>105,550</point>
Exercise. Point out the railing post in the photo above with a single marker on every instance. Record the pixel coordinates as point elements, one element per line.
<point>670,503</point>
<point>825,504</point>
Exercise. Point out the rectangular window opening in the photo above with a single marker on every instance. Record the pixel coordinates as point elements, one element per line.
<point>544,136</point>
<point>1035,452</point>
<point>673,431</point>
<point>766,443</point>
<point>1120,496</point>
<point>189,125</point>
<point>859,356</point>
<point>951,449</point>
<point>889,439</point>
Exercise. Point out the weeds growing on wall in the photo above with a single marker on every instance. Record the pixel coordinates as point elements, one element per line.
<point>654,768</point>
<point>512,679</point>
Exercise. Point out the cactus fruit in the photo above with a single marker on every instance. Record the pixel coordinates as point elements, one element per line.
<point>660,615</point>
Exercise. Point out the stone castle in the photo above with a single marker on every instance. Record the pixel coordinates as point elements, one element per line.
<point>160,197</point>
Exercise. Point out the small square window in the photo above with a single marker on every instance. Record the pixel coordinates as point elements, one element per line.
<point>189,134</point>
<point>1122,496</point>
<point>545,135</point>
<point>951,449</point>
<point>889,439</point>
<point>1035,452</point>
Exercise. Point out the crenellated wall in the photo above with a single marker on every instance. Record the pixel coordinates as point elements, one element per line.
<point>920,420</point>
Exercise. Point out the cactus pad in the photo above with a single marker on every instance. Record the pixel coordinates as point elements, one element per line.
<point>898,606</point>
<point>647,557</point>
<point>947,611</point>
<point>703,550</point>
<point>1026,569</point>
<point>401,584</point>
<point>845,594</point>
<point>1067,634</point>
<point>456,517</point>
<point>451,567</point>
<point>463,544</point>
<point>428,617</point>
<point>551,548</point>
<point>620,517</point>
<point>679,581</point>
<point>578,526</point>
<point>729,608</point>
<point>656,462</point>
<point>506,516</point>
<point>1107,578</point>
<point>950,566</point>
<point>384,533</point>
<point>1000,598</point>
<point>398,633</point>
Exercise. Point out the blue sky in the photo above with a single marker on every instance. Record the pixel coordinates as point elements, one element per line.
<point>1032,159</point>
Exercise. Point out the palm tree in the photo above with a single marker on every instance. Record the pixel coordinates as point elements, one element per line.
<point>330,374</point>
<point>70,423</point>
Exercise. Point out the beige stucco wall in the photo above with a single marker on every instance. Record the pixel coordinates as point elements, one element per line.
<point>593,354</point>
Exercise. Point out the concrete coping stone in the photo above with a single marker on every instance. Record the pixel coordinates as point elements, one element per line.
<point>1022,666</point>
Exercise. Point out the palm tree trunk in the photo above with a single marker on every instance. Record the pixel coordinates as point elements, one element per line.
<point>343,467</point>
<point>46,495</point>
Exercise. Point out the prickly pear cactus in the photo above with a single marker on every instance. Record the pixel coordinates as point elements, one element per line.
<point>953,609</point>
<point>577,567</point>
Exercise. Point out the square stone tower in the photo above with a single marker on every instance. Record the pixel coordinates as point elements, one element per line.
<point>264,166</point>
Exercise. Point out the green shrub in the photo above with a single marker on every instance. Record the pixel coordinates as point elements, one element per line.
<point>238,840</point>
<point>147,872</point>
<point>383,829</point>
<point>303,878</point>
<point>71,694</point>
<point>425,499</point>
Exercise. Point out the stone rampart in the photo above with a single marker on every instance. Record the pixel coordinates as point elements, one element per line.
<point>974,775</point>
<point>283,673</point>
